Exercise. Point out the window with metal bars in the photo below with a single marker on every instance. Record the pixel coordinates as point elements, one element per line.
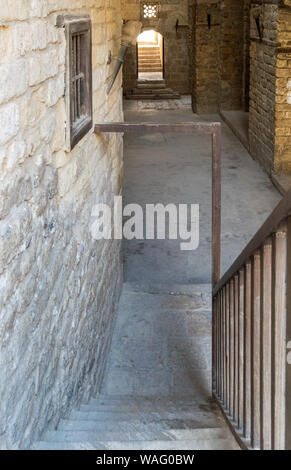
<point>79,80</point>
<point>150,10</point>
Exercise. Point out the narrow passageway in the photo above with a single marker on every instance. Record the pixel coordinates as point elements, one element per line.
<point>162,342</point>
<point>157,388</point>
<point>172,168</point>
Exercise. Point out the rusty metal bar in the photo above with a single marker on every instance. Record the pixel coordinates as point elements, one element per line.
<point>256,351</point>
<point>248,352</point>
<point>288,339</point>
<point>279,336</point>
<point>227,322</point>
<point>214,342</point>
<point>236,348</point>
<point>231,348</point>
<point>151,127</point>
<point>218,346</point>
<point>216,205</point>
<point>224,342</point>
<point>266,346</point>
<point>241,348</point>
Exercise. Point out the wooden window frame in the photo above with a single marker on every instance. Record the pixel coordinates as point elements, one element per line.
<point>77,129</point>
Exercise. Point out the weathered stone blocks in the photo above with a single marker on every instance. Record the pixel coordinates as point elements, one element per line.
<point>58,287</point>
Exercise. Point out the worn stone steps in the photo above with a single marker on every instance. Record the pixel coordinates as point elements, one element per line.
<point>138,91</point>
<point>154,96</point>
<point>156,393</point>
<point>151,82</point>
<point>149,69</point>
<point>196,444</point>
<point>184,418</point>
<point>150,86</point>
<point>149,60</point>
<point>147,56</point>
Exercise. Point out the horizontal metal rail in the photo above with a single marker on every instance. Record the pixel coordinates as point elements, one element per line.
<point>281,212</point>
<point>211,128</point>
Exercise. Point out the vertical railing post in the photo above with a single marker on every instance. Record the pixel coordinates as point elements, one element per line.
<point>279,338</point>
<point>216,205</point>
<point>241,351</point>
<point>256,351</point>
<point>288,342</point>
<point>248,351</point>
<point>266,346</point>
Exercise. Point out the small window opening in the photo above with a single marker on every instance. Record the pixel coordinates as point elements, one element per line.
<point>150,10</point>
<point>79,80</point>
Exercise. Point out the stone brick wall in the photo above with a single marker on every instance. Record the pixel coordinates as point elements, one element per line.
<point>282,160</point>
<point>221,55</point>
<point>232,50</point>
<point>177,45</point>
<point>206,56</point>
<point>263,84</point>
<point>59,288</point>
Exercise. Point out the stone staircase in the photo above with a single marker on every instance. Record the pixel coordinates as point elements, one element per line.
<point>157,390</point>
<point>152,90</point>
<point>149,59</point>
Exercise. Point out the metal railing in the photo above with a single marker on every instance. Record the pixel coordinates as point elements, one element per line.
<point>251,328</point>
<point>211,128</point>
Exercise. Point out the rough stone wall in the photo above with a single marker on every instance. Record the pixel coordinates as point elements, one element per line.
<point>206,57</point>
<point>246,56</point>
<point>263,84</point>
<point>221,55</point>
<point>232,50</point>
<point>282,160</point>
<point>176,44</point>
<point>58,287</point>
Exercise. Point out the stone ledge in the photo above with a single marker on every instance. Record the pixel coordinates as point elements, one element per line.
<point>281,182</point>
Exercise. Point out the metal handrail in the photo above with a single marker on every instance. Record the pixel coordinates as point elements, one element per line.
<point>279,214</point>
<point>211,128</point>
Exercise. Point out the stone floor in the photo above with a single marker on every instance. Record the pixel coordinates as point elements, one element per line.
<point>171,168</point>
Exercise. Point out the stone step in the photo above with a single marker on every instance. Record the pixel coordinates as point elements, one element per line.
<point>148,51</point>
<point>89,420</point>
<point>92,429</point>
<point>150,66</point>
<point>137,91</point>
<point>150,69</point>
<point>174,96</point>
<point>146,48</point>
<point>145,55</point>
<point>146,404</point>
<point>150,60</point>
<point>146,82</point>
<point>146,86</point>
<point>119,410</point>
<point>150,63</point>
<point>165,400</point>
<point>149,432</point>
<point>197,444</point>
<point>187,444</point>
<point>45,445</point>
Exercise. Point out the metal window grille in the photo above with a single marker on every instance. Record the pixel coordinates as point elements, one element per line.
<point>150,10</point>
<point>79,80</point>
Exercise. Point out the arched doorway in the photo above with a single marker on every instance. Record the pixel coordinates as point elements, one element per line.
<point>150,56</point>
